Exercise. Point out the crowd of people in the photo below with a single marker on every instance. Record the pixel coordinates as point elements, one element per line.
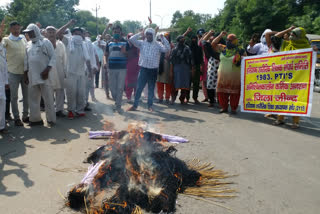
<point>53,66</point>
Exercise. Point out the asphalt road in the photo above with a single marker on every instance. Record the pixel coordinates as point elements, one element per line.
<point>277,168</point>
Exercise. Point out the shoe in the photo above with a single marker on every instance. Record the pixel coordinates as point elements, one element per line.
<point>223,111</point>
<point>87,109</point>
<point>9,118</point>
<point>132,108</point>
<point>205,100</point>
<point>60,114</point>
<point>51,124</point>
<point>211,105</point>
<point>4,131</point>
<point>25,120</point>
<point>270,116</point>
<point>278,122</point>
<point>38,123</point>
<point>18,122</point>
<point>70,115</point>
<point>182,101</point>
<point>119,110</point>
<point>81,114</point>
<point>295,126</point>
<point>196,101</point>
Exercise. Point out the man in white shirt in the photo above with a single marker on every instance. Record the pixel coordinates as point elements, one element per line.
<point>60,68</point>
<point>150,51</point>
<point>78,61</point>
<point>99,46</point>
<point>90,74</point>
<point>40,58</point>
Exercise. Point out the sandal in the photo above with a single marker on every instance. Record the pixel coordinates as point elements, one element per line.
<point>295,126</point>
<point>278,122</point>
<point>4,131</point>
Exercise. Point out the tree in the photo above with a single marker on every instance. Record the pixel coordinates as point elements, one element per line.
<point>47,12</point>
<point>175,17</point>
<point>181,22</point>
<point>132,26</point>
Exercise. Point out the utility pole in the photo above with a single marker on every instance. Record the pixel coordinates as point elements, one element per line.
<point>97,18</point>
<point>96,10</point>
<point>150,10</point>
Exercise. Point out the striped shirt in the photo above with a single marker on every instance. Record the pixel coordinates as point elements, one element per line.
<point>150,52</point>
<point>117,59</point>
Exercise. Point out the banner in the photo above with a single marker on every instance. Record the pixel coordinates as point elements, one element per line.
<point>280,83</point>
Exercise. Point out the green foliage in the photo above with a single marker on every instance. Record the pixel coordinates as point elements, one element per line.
<point>131,26</point>
<point>188,19</point>
<point>246,17</point>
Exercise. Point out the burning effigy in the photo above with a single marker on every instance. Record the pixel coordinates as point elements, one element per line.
<point>136,170</point>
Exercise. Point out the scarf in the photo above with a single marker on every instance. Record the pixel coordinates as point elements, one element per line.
<point>263,37</point>
<point>15,38</point>
<point>76,40</point>
<point>181,54</point>
<point>300,43</point>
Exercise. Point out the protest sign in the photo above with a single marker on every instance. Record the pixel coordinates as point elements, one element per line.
<point>280,83</point>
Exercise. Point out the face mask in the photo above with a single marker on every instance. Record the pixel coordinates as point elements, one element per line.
<point>230,45</point>
<point>292,37</point>
<point>77,39</point>
<point>116,36</point>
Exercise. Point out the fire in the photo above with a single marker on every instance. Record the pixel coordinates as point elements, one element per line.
<point>199,182</point>
<point>134,169</point>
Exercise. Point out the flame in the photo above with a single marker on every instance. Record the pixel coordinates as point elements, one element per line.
<point>199,182</point>
<point>129,166</point>
<point>177,175</point>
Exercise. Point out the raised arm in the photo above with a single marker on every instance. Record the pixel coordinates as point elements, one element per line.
<point>280,34</point>
<point>187,32</point>
<point>165,46</point>
<point>106,31</point>
<point>134,39</point>
<point>61,30</point>
<point>268,37</point>
<point>218,38</point>
<point>207,36</point>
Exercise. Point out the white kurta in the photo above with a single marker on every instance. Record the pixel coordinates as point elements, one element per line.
<point>3,83</point>
<point>39,55</point>
<point>61,63</point>
<point>76,75</point>
<point>3,72</point>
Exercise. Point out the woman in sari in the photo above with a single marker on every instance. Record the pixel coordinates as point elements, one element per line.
<point>132,69</point>
<point>297,40</point>
<point>229,72</point>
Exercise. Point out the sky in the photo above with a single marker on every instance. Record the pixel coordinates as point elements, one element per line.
<point>138,10</point>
